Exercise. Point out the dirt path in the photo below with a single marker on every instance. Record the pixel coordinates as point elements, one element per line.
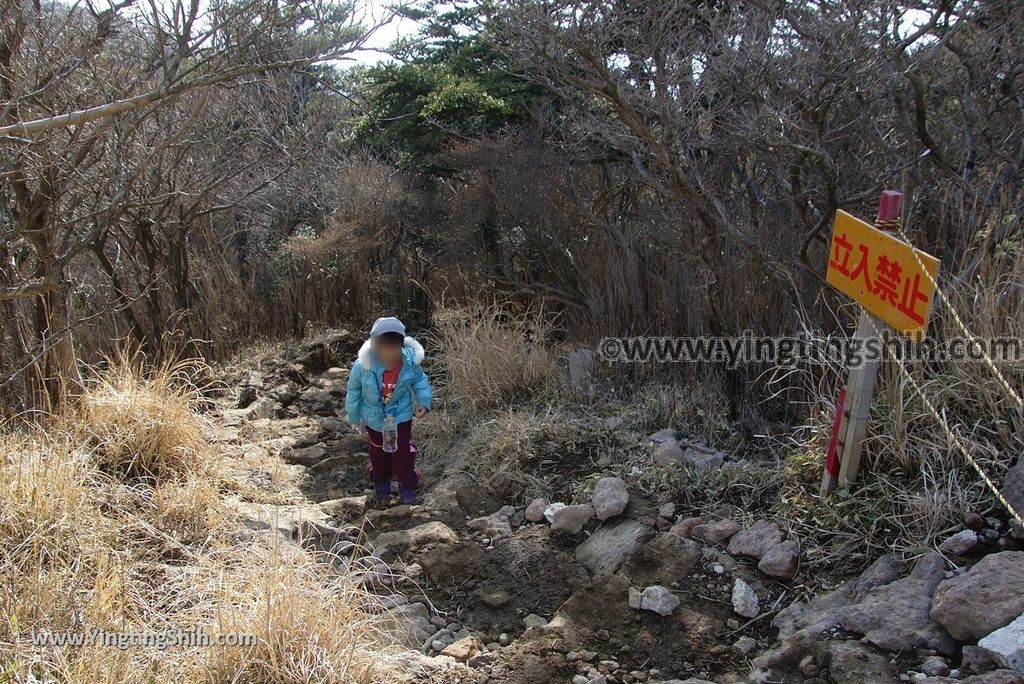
<point>489,596</point>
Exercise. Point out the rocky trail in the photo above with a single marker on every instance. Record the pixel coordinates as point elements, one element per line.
<point>614,589</point>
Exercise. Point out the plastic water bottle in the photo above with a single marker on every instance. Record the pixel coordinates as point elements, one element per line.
<point>390,435</point>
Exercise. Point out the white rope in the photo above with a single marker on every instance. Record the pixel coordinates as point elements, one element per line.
<point>952,436</point>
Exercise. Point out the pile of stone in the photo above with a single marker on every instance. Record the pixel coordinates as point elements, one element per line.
<point>691,453</point>
<point>608,500</point>
<point>308,380</point>
<point>977,613</point>
<point>764,541</point>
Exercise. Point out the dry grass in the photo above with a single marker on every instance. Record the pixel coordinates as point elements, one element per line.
<point>113,519</point>
<point>492,357</point>
<point>143,424</point>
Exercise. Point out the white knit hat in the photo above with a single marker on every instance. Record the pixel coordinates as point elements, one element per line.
<point>387,324</point>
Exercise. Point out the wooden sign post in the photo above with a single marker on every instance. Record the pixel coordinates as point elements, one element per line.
<point>894,283</point>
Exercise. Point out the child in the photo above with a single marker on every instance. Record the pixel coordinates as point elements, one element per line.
<point>383,382</point>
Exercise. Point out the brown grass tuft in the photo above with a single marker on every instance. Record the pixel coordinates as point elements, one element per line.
<point>493,357</point>
<point>143,424</point>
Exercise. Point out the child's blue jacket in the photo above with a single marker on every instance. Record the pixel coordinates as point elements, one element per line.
<point>363,400</point>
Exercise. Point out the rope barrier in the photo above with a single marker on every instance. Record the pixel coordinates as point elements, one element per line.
<point>955,439</point>
<point>895,225</point>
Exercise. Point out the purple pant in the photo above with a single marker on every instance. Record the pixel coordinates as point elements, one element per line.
<point>401,465</point>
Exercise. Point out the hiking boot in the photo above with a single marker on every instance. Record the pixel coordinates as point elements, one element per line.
<point>407,495</point>
<point>383,490</point>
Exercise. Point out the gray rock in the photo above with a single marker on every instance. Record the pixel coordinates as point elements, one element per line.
<point>781,561</point>
<point>284,393</point>
<point>336,373</point>
<point>307,456</point>
<point>1013,486</point>
<point>658,599</point>
<point>1006,645</point>
<point>535,511</point>
<point>667,511</point>
<point>264,407</point>
<point>895,616</point>
<point>663,436</point>
<point>609,498</point>
<point>347,507</point>
<point>983,599</point>
<point>634,598</point>
<point>495,526</point>
<point>851,662</point>
<point>318,400</point>
<point>975,660</point>
<point>744,600</point>
<point>534,620</point>
<point>669,452</point>
<point>400,542</point>
<point>552,508</point>
<point>934,666</point>
<point>333,425</point>
<point>665,559</point>
<point>745,645</point>
<point>755,541</point>
<point>702,461</point>
<point>571,519</point>
<point>413,621</point>
<point>608,548</point>
<point>960,543</point>
<point>582,366</point>
<point>716,531</point>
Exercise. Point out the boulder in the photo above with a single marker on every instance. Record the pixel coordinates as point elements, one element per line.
<point>413,622</point>
<point>464,649</point>
<point>755,541</point>
<point>996,677</point>
<point>960,543</point>
<point>608,548</point>
<point>552,508</point>
<point>658,599</point>
<point>744,600</point>
<point>535,511</point>
<point>665,559</point>
<point>1013,486</point>
<point>781,561</point>
<point>401,542</point>
<point>582,366</point>
<point>1006,645</point>
<point>895,616</point>
<point>284,393</point>
<point>571,519</point>
<point>609,498</point>
<point>983,599</point>
<point>265,407</point>
<point>345,508</point>
<point>318,401</point>
<point>684,528</point>
<point>851,662</point>
<point>669,452</point>
<point>307,456</point>
<point>496,526</point>
<point>716,531</point>
<point>703,461</point>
